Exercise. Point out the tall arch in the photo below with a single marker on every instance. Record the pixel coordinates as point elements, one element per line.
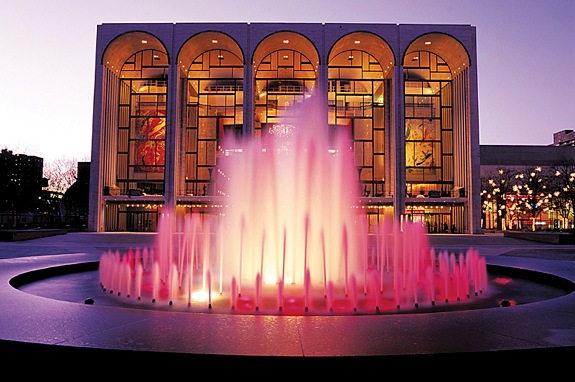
<point>211,69</point>
<point>360,71</point>
<point>437,151</point>
<point>285,74</point>
<point>134,127</point>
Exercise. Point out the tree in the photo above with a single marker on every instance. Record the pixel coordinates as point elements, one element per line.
<point>562,184</point>
<point>495,189</point>
<point>532,190</point>
<point>61,173</point>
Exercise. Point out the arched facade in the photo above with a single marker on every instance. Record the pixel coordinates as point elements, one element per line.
<point>166,95</point>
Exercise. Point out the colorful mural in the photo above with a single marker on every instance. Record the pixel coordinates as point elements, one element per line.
<point>419,144</point>
<point>151,147</point>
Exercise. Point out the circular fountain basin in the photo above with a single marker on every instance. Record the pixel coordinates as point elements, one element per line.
<point>507,287</point>
<point>62,324</point>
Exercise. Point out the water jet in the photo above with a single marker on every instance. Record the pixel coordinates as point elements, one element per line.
<point>293,238</point>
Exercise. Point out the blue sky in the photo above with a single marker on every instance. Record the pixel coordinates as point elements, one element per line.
<point>526,59</point>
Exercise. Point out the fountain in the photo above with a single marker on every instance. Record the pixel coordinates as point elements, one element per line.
<point>293,239</point>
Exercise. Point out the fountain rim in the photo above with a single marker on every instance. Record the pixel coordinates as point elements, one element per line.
<point>99,330</point>
<point>536,276</point>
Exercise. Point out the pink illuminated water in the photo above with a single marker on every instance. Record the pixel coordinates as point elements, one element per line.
<point>293,239</point>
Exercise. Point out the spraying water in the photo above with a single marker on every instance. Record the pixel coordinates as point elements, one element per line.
<point>293,239</point>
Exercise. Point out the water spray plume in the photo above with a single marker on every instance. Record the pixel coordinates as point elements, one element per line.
<point>293,238</point>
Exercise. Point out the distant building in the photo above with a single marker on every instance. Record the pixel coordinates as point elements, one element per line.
<point>508,168</point>
<point>519,157</point>
<point>21,183</point>
<point>564,138</point>
<point>74,205</point>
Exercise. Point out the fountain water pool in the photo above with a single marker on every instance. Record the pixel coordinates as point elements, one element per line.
<point>403,272</point>
<point>292,240</point>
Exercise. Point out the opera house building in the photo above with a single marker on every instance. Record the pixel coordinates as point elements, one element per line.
<point>166,95</point>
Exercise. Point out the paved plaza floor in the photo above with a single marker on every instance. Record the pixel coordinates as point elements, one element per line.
<point>40,327</point>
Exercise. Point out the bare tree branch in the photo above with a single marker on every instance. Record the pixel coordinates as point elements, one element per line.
<point>61,173</point>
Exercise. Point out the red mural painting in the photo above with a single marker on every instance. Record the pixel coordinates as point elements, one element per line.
<point>151,149</point>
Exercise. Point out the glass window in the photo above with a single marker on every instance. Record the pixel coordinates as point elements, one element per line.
<point>215,105</point>
<point>356,102</point>
<point>142,123</point>
<point>284,79</point>
<point>428,116</point>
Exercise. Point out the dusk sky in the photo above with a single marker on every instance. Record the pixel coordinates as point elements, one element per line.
<point>525,53</point>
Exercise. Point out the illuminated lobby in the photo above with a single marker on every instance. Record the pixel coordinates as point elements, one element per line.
<point>167,94</point>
